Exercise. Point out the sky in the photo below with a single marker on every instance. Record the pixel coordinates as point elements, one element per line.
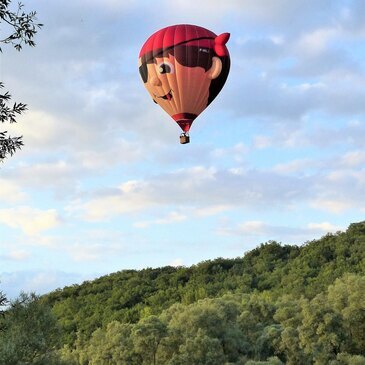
<point>103,184</point>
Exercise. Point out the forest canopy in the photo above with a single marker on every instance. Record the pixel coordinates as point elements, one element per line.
<point>278,304</point>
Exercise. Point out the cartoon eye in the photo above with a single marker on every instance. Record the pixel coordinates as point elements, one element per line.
<point>143,72</point>
<point>165,68</point>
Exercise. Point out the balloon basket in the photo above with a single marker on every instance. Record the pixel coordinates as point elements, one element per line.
<point>184,138</point>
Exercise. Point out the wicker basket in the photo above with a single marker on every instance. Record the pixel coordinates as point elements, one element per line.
<point>184,138</point>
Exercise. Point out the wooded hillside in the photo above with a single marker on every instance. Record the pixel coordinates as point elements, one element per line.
<point>271,276</point>
<point>278,304</point>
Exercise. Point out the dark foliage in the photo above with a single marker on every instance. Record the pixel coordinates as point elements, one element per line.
<point>8,145</point>
<point>21,27</point>
<point>30,333</point>
<point>3,303</point>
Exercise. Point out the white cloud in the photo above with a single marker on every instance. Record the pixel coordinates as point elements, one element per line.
<point>16,255</point>
<point>262,142</point>
<point>177,262</point>
<point>85,146</point>
<point>286,234</point>
<point>237,152</point>
<point>118,153</point>
<point>335,205</point>
<point>111,5</point>
<point>353,159</point>
<point>324,226</point>
<point>80,252</point>
<point>31,221</point>
<point>282,14</point>
<point>295,166</point>
<point>317,41</point>
<point>118,202</point>
<point>92,252</point>
<point>253,227</point>
<point>307,86</point>
<point>172,217</point>
<point>10,192</point>
<point>339,190</point>
<point>211,210</point>
<point>40,129</point>
<point>207,189</point>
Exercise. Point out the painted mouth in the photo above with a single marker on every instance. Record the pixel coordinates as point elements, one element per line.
<point>168,96</point>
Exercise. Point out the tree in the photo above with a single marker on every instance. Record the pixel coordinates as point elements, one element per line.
<point>200,350</point>
<point>270,361</point>
<point>30,333</point>
<point>3,302</point>
<point>22,28</point>
<point>300,313</point>
<point>217,321</point>
<point>113,345</point>
<point>289,316</point>
<point>147,335</point>
<point>256,315</point>
<point>321,334</point>
<point>347,298</point>
<point>346,359</point>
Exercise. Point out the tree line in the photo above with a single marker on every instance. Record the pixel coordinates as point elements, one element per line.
<point>278,304</point>
<point>254,328</point>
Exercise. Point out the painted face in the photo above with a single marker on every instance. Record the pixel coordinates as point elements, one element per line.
<point>177,88</point>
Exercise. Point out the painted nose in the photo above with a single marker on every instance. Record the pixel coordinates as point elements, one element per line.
<point>155,81</point>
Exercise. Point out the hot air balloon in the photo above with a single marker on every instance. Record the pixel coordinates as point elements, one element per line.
<point>184,67</point>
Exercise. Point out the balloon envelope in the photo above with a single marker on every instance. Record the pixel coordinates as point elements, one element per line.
<point>183,68</point>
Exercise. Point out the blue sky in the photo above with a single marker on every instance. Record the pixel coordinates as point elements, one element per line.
<point>103,184</point>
